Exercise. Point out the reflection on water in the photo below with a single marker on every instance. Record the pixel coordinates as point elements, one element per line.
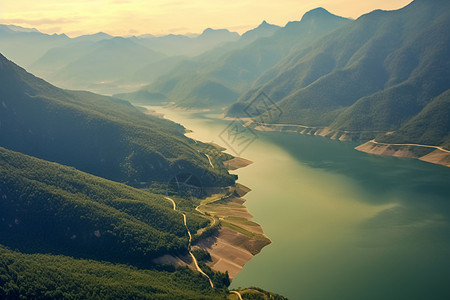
<point>344,224</point>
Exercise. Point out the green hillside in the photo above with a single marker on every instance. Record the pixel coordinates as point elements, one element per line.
<point>371,76</point>
<point>430,127</point>
<point>50,208</point>
<point>100,135</point>
<point>43,276</point>
<point>216,78</point>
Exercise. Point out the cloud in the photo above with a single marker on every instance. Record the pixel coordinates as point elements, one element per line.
<point>43,21</point>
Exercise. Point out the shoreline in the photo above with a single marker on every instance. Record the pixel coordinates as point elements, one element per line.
<point>430,154</point>
<point>238,239</point>
<point>433,154</point>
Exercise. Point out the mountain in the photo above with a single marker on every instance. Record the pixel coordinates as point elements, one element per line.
<point>429,127</point>
<point>94,65</point>
<point>173,45</point>
<point>22,29</point>
<point>373,76</point>
<point>263,30</point>
<point>15,42</point>
<point>50,208</point>
<point>45,276</point>
<point>93,37</point>
<point>100,135</point>
<point>65,233</point>
<point>216,78</point>
<point>72,216</point>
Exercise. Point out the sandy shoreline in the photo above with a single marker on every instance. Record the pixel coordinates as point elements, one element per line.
<point>238,239</point>
<point>435,154</point>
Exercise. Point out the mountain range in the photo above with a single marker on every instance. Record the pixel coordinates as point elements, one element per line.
<point>384,75</point>
<point>218,77</point>
<point>100,135</point>
<point>84,234</point>
<point>66,61</point>
<point>84,211</point>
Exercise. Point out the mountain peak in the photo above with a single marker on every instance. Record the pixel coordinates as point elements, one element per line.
<point>316,13</point>
<point>209,31</point>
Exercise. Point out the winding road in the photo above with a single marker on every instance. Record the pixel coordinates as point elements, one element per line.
<point>189,246</point>
<point>415,145</point>
<point>209,158</point>
<point>237,293</point>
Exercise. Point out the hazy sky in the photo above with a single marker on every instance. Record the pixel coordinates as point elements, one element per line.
<point>132,17</point>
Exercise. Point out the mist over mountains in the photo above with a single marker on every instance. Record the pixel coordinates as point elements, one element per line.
<point>84,177</point>
<point>374,75</point>
<point>369,76</point>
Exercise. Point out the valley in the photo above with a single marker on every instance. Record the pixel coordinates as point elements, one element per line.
<point>239,150</point>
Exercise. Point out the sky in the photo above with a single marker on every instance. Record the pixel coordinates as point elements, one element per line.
<point>159,17</point>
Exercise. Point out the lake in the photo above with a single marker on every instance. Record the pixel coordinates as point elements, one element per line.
<point>343,224</point>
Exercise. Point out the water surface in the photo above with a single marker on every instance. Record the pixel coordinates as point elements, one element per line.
<point>344,224</point>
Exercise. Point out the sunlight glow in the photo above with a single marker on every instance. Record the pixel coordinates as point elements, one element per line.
<point>134,17</point>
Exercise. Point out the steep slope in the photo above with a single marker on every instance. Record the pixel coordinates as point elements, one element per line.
<point>104,136</point>
<point>430,127</point>
<point>43,276</point>
<point>234,70</point>
<point>263,30</point>
<point>369,77</point>
<point>50,208</point>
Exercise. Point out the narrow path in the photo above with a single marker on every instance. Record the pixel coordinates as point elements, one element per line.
<point>417,145</point>
<point>189,246</point>
<point>312,127</point>
<point>213,220</point>
<point>209,158</point>
<point>237,293</point>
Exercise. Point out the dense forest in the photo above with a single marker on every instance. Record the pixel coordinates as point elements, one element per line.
<point>44,276</point>
<point>100,135</point>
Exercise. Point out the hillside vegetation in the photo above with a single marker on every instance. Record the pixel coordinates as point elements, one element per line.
<point>372,76</point>
<point>216,78</point>
<point>100,135</point>
<point>50,208</point>
<point>44,276</point>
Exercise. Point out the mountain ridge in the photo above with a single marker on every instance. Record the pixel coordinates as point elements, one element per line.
<point>372,75</point>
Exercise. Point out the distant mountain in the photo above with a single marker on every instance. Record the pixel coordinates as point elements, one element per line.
<point>15,42</point>
<point>263,30</point>
<point>102,63</point>
<point>104,136</point>
<point>173,45</point>
<point>96,66</point>
<point>22,29</point>
<point>386,71</point>
<point>217,77</point>
<point>93,37</point>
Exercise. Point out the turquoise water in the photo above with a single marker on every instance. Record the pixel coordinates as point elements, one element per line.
<point>343,224</point>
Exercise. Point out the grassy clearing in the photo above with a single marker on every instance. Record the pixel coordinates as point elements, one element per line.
<point>243,231</point>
